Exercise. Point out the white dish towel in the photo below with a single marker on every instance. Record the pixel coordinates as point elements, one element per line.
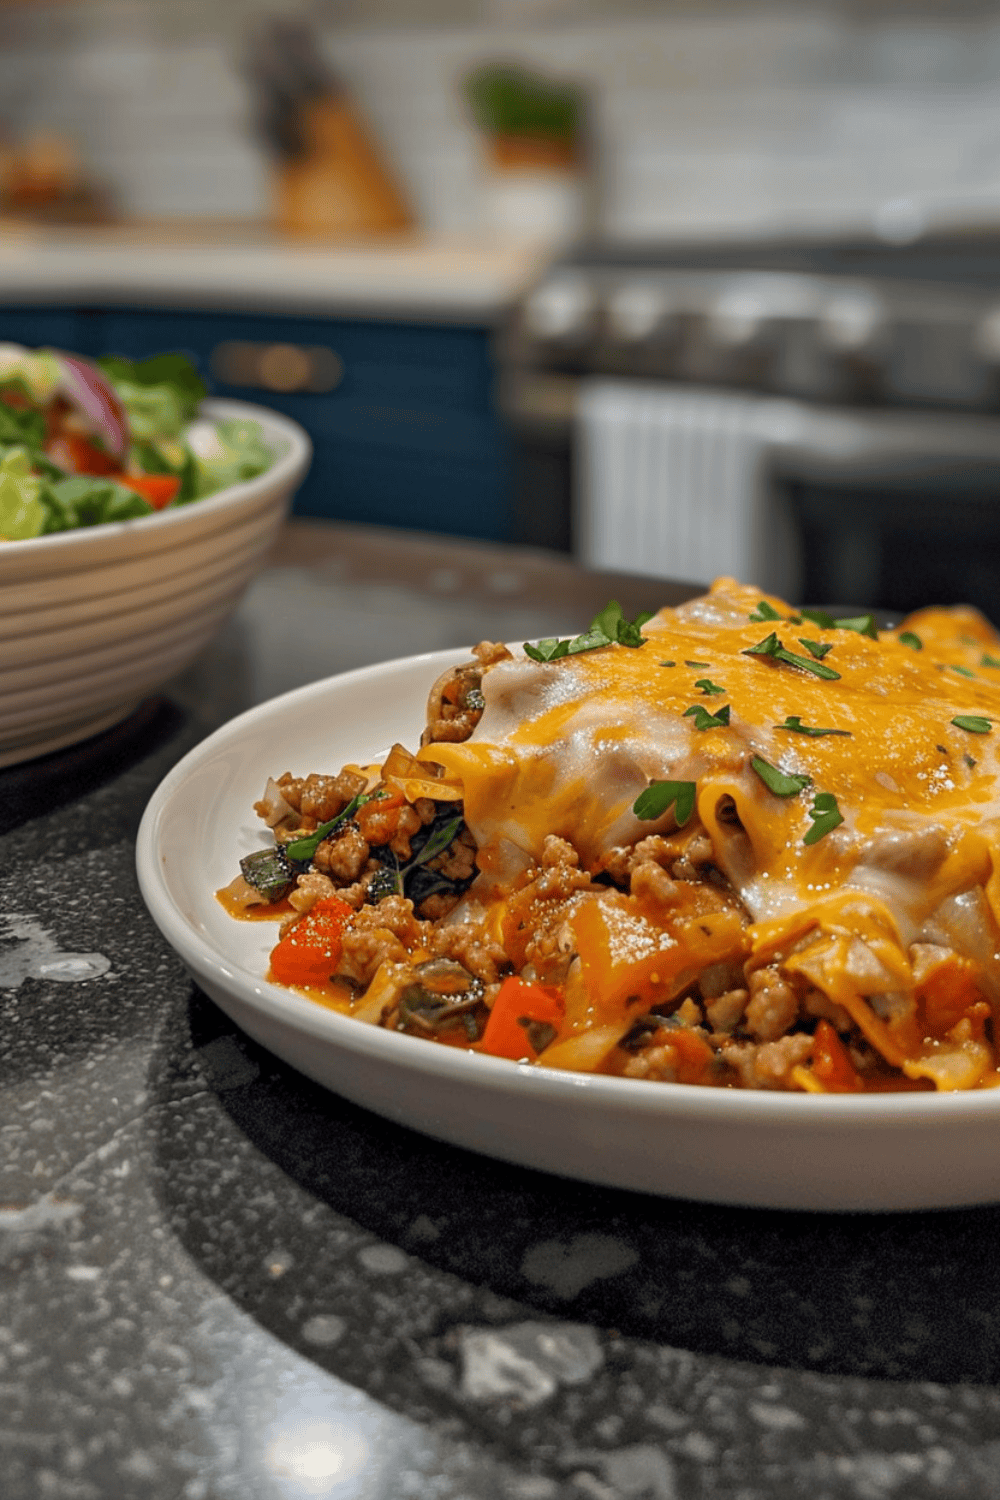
<point>675,482</point>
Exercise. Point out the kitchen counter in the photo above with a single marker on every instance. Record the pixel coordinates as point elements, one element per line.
<point>247,268</point>
<point>384,352</point>
<point>221,1281</point>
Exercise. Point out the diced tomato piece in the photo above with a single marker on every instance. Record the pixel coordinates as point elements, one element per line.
<point>85,456</point>
<point>157,489</point>
<point>519,1005</point>
<point>310,951</point>
<point>949,990</point>
<point>831,1063</point>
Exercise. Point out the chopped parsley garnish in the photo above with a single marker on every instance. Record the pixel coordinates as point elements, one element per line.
<point>988,661</point>
<point>807,666</point>
<point>962,671</point>
<point>697,663</point>
<point>668,664</point>
<point>973,723</point>
<point>916,644</point>
<point>707,686</point>
<point>815,648</point>
<point>776,781</point>
<point>970,762</point>
<point>826,816</point>
<point>795,724</point>
<point>612,622</point>
<point>551,648</point>
<point>772,647</point>
<point>819,617</point>
<point>862,624</point>
<point>764,611</point>
<point>660,796</point>
<point>704,720</point>
<point>767,647</point>
<point>606,629</point>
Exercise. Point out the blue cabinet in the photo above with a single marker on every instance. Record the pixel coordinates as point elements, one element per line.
<point>57,327</point>
<point>402,420</point>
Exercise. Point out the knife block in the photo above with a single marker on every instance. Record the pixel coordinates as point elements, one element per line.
<point>340,187</point>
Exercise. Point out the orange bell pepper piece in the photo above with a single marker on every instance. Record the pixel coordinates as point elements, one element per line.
<point>628,954</point>
<point>831,1063</point>
<point>310,950</point>
<point>949,991</point>
<point>518,1005</point>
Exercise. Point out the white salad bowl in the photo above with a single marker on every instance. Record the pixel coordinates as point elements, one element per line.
<point>92,621</point>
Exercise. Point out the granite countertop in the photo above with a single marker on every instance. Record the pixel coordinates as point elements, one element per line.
<point>463,279</point>
<point>220,1281</point>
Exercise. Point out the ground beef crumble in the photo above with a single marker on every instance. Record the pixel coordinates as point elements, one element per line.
<point>456,705</point>
<point>769,1065</point>
<point>319,798</point>
<point>727,1026</point>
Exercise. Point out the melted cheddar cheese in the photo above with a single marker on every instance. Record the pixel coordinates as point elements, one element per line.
<point>858,913</point>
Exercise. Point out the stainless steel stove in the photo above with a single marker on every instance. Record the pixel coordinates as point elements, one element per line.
<point>885,359</point>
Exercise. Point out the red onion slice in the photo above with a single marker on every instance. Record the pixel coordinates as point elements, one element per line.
<point>89,390</point>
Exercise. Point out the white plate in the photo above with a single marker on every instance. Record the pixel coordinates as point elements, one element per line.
<point>724,1146</point>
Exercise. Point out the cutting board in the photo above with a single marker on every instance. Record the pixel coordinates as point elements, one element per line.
<point>340,187</point>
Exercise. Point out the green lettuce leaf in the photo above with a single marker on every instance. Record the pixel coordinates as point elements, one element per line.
<point>21,425</point>
<point>161,395</point>
<point>88,500</point>
<point>22,514</point>
<point>241,454</point>
<point>33,373</point>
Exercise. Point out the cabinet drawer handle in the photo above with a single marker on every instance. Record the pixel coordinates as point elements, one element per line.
<point>277,367</point>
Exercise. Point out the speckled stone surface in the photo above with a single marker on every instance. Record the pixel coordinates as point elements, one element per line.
<point>220,1282</point>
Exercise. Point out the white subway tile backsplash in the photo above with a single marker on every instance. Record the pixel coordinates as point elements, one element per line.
<point>225,180</point>
<point>784,118</point>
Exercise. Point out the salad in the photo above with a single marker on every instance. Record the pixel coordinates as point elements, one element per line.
<point>84,442</point>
